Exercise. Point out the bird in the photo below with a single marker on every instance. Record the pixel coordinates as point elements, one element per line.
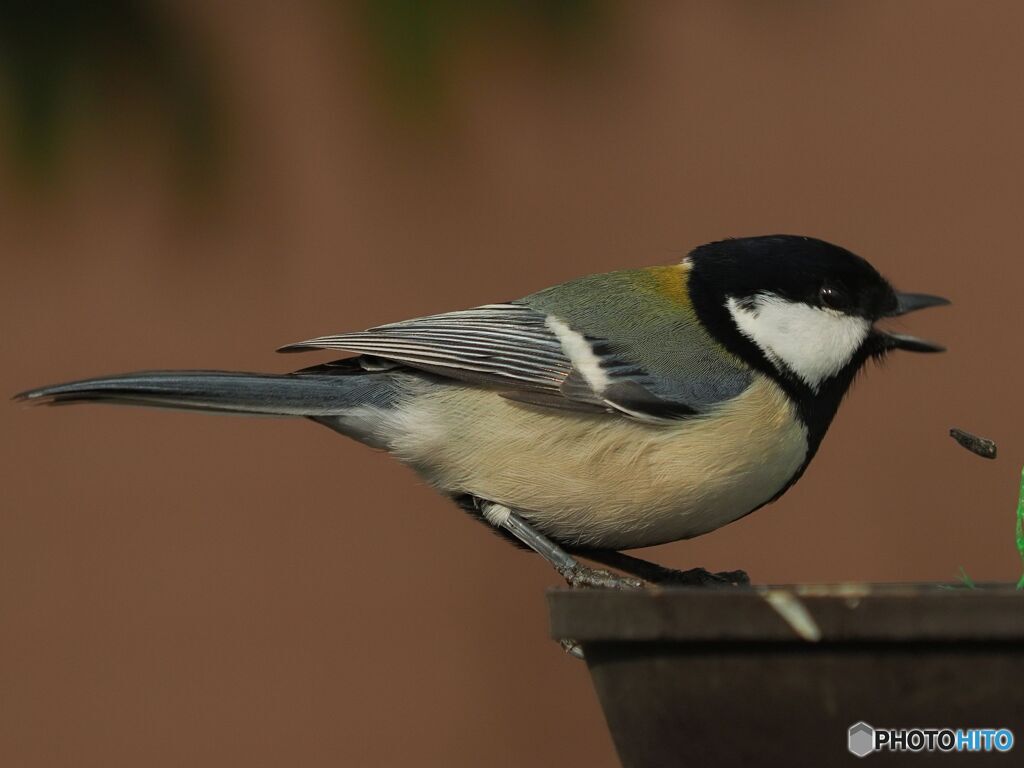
<point>615,411</point>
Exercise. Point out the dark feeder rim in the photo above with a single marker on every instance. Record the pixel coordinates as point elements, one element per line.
<point>807,613</point>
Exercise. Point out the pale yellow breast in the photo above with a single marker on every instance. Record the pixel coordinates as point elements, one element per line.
<point>605,481</point>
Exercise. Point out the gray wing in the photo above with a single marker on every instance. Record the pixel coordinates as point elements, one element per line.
<point>498,344</point>
<point>525,353</point>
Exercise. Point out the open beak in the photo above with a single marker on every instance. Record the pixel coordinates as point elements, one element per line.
<point>911,302</point>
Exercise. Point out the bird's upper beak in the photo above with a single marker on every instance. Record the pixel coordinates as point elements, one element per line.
<point>911,302</point>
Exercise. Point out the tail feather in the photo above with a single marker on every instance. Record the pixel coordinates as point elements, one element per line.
<point>298,394</point>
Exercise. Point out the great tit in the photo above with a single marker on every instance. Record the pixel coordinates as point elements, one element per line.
<point>614,411</point>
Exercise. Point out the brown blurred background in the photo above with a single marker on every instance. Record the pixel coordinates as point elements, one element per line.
<point>192,184</point>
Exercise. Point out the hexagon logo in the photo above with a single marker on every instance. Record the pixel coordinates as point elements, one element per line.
<point>861,739</point>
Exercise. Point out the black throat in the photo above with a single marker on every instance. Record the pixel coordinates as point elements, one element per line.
<point>815,408</point>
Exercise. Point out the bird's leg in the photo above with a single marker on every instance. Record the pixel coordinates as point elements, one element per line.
<point>576,574</point>
<point>659,574</point>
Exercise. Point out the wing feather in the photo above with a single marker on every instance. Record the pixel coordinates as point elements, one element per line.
<point>501,344</point>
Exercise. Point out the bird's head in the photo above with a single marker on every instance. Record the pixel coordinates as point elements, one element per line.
<point>801,309</point>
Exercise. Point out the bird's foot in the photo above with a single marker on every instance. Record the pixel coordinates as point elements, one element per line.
<point>659,575</point>
<point>581,576</point>
<point>699,577</point>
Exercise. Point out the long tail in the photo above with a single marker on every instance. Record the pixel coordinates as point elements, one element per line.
<point>298,394</point>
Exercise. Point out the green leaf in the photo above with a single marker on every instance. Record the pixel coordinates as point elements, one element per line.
<point>967,580</point>
<point>1020,528</point>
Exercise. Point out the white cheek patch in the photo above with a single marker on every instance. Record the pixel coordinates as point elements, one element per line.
<point>812,342</point>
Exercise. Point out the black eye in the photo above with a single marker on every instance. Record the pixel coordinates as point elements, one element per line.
<point>832,297</point>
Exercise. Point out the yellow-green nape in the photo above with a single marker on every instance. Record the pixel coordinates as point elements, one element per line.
<point>670,282</point>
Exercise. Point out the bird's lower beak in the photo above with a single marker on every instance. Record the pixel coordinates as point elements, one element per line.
<point>911,302</point>
<point>909,343</point>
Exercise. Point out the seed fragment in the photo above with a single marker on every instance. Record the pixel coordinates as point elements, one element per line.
<point>980,445</point>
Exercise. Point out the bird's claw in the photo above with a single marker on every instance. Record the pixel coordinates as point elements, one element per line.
<point>701,577</point>
<point>597,578</point>
<point>582,576</point>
